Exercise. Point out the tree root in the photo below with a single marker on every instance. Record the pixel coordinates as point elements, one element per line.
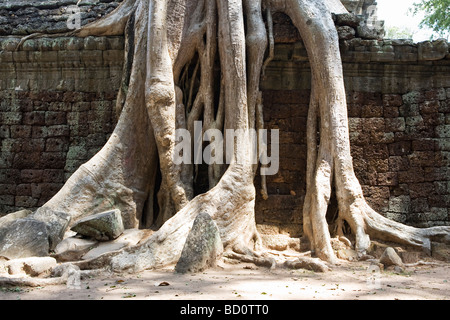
<point>31,282</point>
<point>263,259</point>
<point>60,276</point>
<point>314,264</point>
<point>160,51</point>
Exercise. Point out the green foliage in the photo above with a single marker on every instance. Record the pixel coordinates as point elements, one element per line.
<point>437,15</point>
<point>395,32</point>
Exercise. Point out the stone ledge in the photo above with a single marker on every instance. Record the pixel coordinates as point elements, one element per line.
<point>9,44</point>
<point>51,16</point>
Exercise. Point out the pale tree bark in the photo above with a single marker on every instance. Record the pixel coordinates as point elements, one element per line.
<point>173,51</point>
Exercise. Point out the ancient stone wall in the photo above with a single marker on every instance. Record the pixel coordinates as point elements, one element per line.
<point>398,96</point>
<point>57,100</point>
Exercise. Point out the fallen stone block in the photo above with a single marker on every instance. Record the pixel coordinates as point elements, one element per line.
<point>24,238</point>
<point>104,226</point>
<point>56,223</point>
<point>390,258</point>
<point>129,237</point>
<point>72,249</point>
<point>202,248</point>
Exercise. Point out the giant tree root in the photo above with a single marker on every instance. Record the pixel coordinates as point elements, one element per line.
<point>31,282</point>
<point>175,50</point>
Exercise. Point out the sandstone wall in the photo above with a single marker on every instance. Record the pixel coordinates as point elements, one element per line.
<point>57,99</point>
<point>398,96</point>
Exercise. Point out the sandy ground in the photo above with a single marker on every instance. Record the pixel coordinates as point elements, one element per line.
<point>349,281</point>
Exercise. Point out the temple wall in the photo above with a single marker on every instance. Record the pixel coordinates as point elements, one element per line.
<point>57,99</point>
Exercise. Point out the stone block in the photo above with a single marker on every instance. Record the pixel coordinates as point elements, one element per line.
<point>53,176</point>
<point>392,100</point>
<point>24,238</point>
<point>424,159</point>
<point>26,160</point>
<point>399,148</point>
<point>32,145</point>
<point>348,19</point>
<point>7,189</point>
<point>11,117</point>
<point>57,144</point>
<point>55,118</point>
<point>382,56</point>
<point>419,205</point>
<point>203,246</point>
<point>395,124</point>
<point>443,131</point>
<point>387,179</point>
<point>372,111</point>
<point>432,50</point>
<point>34,118</point>
<point>425,144</point>
<point>20,131</point>
<point>56,224</point>
<point>58,131</point>
<point>23,189</point>
<point>31,175</point>
<point>102,226</point>
<point>421,190</point>
<point>390,258</point>
<point>129,237</point>
<point>4,131</point>
<point>346,32</point>
<point>437,214</point>
<point>52,160</point>
<point>9,175</point>
<point>25,201</point>
<point>7,200</point>
<point>429,107</point>
<point>413,174</point>
<point>413,97</point>
<point>400,204</point>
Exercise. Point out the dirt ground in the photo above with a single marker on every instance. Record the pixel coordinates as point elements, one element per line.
<point>348,281</point>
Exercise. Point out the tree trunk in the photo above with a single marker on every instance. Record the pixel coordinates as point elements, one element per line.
<point>173,51</point>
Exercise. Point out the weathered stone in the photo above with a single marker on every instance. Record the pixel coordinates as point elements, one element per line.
<point>410,256</point>
<point>280,242</point>
<point>366,32</point>
<point>348,19</point>
<point>203,246</point>
<point>56,223</point>
<point>440,251</point>
<point>72,249</point>
<point>4,221</point>
<point>24,238</point>
<point>390,258</point>
<point>433,50</point>
<point>347,254</point>
<point>129,237</point>
<point>102,226</point>
<point>346,32</point>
